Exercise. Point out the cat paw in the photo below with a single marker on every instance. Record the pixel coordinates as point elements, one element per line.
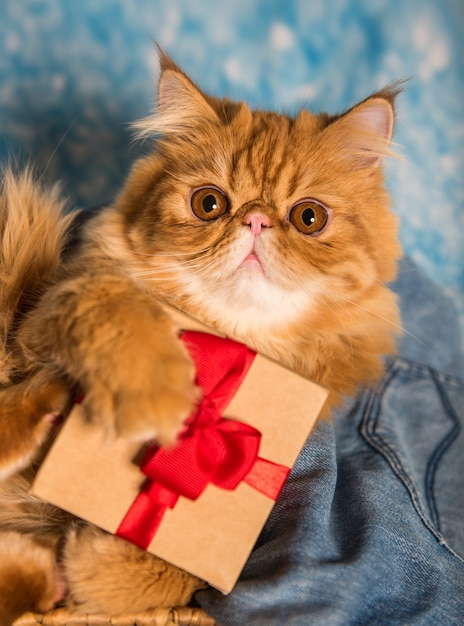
<point>30,579</point>
<point>151,389</point>
<point>28,412</point>
<point>106,574</point>
<point>156,406</point>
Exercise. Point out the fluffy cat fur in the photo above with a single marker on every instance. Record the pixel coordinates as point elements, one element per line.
<point>89,316</point>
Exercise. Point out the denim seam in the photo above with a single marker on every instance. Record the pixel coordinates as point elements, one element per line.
<point>440,450</point>
<point>417,369</point>
<point>367,430</point>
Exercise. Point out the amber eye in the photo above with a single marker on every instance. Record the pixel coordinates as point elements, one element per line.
<point>209,203</point>
<point>309,217</point>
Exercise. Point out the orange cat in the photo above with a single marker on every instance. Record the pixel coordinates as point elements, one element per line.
<point>276,230</point>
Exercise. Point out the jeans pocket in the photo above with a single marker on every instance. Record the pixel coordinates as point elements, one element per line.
<point>413,419</point>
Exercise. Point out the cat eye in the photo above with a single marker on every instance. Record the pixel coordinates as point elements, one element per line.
<point>208,203</point>
<point>309,217</point>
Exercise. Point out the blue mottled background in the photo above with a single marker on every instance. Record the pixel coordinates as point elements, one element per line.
<point>74,74</point>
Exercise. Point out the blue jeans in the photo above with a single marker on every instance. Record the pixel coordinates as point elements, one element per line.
<point>369,528</point>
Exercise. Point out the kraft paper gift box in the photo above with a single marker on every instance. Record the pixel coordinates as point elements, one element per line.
<point>202,504</point>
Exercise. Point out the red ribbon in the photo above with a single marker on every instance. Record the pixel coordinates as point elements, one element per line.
<point>212,449</point>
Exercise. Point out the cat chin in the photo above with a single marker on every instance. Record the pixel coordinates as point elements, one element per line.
<point>247,305</point>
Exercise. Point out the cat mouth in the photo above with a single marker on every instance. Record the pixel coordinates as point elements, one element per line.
<point>252,262</point>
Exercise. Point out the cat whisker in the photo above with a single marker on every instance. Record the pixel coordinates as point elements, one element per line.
<point>158,276</point>
<point>154,279</point>
<point>200,269</point>
<point>180,264</point>
<point>166,268</point>
<point>192,262</point>
<point>55,150</point>
<point>328,301</point>
<point>394,324</point>
<point>172,254</point>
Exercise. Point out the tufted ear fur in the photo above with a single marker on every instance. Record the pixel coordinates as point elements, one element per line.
<point>363,134</point>
<point>181,106</point>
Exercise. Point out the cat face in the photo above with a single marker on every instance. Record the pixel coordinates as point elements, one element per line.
<point>261,216</point>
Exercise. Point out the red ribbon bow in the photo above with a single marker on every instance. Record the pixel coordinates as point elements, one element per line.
<point>212,449</point>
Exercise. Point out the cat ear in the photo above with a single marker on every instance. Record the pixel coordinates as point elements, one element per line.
<point>181,106</point>
<point>364,133</point>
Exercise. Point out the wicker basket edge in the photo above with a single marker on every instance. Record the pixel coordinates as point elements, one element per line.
<point>182,616</point>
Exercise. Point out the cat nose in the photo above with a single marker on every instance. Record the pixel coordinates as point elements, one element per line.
<point>256,222</point>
